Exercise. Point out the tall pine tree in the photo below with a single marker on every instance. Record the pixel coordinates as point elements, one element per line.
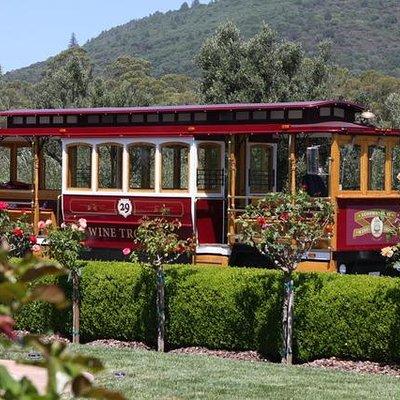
<point>73,42</point>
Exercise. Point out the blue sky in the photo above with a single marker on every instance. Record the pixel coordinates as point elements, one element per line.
<point>33,30</point>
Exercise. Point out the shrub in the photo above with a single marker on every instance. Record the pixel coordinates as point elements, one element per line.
<point>117,301</point>
<point>37,316</point>
<point>349,316</point>
<point>224,308</point>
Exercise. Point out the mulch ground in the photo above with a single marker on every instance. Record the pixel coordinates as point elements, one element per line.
<point>365,367</point>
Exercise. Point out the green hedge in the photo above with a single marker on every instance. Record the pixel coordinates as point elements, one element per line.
<point>228,308</point>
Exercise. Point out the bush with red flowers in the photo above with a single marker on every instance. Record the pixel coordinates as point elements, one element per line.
<point>4,217</point>
<point>157,242</point>
<point>16,237</point>
<point>65,246</point>
<point>286,227</point>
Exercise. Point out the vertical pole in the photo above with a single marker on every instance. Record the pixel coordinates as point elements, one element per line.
<point>288,306</point>
<point>288,301</point>
<point>388,164</point>
<point>126,169</point>
<point>160,309</point>
<point>232,189</point>
<point>334,184</point>
<point>35,200</point>
<point>292,163</point>
<point>75,307</point>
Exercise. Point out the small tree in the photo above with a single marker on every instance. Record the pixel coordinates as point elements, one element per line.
<point>157,243</point>
<point>65,246</point>
<point>73,41</point>
<point>285,227</point>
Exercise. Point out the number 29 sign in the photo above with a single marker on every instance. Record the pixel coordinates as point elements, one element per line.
<point>124,207</point>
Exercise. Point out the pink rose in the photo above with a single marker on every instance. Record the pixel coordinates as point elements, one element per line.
<point>126,251</point>
<point>36,248</point>
<point>82,223</point>
<point>41,225</point>
<point>7,326</point>
<point>3,205</point>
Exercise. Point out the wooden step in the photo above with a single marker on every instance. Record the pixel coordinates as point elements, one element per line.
<point>211,259</point>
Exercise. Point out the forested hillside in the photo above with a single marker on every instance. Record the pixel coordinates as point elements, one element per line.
<point>365,33</point>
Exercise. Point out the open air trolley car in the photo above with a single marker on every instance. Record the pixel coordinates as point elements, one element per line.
<point>203,164</point>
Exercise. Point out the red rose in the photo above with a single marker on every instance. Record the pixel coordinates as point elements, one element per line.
<point>261,221</point>
<point>284,217</point>
<point>18,232</point>
<point>3,205</point>
<point>32,239</point>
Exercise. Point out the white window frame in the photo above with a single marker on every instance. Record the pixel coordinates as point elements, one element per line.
<point>126,142</point>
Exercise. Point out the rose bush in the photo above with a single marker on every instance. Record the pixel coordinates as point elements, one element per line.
<point>65,245</point>
<point>285,227</point>
<point>16,237</point>
<point>157,242</point>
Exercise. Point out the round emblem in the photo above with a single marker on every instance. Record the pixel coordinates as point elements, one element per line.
<point>124,207</point>
<point>376,227</point>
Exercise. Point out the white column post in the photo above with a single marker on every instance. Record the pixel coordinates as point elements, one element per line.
<point>193,181</point>
<point>125,169</point>
<point>157,168</point>
<point>95,164</point>
<point>64,176</point>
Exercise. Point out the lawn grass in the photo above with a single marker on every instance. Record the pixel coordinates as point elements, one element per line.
<point>169,376</point>
<point>150,375</point>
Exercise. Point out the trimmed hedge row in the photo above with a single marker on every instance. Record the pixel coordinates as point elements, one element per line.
<point>227,308</point>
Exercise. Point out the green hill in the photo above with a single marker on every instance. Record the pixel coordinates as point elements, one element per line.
<point>365,33</point>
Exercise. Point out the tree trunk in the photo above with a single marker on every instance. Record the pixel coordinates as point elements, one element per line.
<point>75,308</point>
<point>287,320</point>
<point>160,308</point>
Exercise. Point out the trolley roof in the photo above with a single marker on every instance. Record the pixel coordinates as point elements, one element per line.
<point>190,120</point>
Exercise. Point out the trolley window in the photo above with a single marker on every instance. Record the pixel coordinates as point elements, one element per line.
<point>209,172</point>
<point>396,168</point>
<point>80,166</point>
<point>175,166</point>
<point>141,166</point>
<point>350,157</point>
<point>109,166</point>
<point>260,170</point>
<point>376,167</point>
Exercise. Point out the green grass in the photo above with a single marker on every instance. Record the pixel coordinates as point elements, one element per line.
<point>169,376</point>
<point>166,376</point>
